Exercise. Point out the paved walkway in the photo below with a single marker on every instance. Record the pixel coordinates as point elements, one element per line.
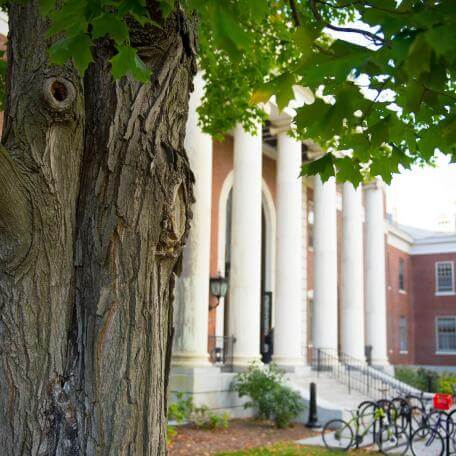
<point>422,450</point>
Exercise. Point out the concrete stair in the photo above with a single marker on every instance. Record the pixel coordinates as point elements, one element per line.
<point>333,398</point>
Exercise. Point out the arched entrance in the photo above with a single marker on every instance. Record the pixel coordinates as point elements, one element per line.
<point>267,265</point>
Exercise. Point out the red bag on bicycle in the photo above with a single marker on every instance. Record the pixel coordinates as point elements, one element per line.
<point>442,401</point>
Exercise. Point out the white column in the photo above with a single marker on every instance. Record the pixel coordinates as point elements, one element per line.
<point>324,324</point>
<point>375,288</point>
<point>245,274</point>
<point>287,330</point>
<point>352,273</point>
<point>192,290</point>
<point>305,331</point>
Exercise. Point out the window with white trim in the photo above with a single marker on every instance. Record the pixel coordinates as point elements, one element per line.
<point>401,274</point>
<point>446,334</point>
<point>403,335</point>
<point>310,224</point>
<point>444,277</point>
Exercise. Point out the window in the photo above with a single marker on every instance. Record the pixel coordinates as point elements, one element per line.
<point>446,334</point>
<point>401,274</point>
<point>444,277</point>
<point>403,335</point>
<point>310,225</point>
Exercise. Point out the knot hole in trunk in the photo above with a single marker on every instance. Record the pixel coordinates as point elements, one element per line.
<point>59,93</point>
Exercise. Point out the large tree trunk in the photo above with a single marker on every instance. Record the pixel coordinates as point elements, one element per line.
<point>95,196</point>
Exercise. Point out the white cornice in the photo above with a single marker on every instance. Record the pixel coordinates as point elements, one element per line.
<point>434,245</point>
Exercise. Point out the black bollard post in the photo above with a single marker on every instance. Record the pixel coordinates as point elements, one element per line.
<point>312,422</point>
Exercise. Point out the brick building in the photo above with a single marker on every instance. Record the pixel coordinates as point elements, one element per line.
<point>421,297</point>
<point>310,266</point>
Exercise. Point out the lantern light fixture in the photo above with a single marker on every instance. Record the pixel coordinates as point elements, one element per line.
<point>218,287</point>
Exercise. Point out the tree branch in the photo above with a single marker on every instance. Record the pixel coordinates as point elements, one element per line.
<point>294,10</point>
<point>376,39</point>
<point>438,92</point>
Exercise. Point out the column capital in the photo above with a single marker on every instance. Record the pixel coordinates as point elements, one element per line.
<point>375,184</point>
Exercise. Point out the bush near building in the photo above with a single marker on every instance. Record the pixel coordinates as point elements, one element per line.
<point>269,396</point>
<point>426,379</point>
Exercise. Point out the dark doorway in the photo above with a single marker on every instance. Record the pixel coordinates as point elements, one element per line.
<point>226,310</point>
<point>266,332</point>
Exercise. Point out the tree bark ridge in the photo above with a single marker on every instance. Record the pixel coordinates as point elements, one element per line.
<point>95,197</point>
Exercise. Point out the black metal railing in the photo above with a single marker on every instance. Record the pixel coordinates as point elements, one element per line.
<point>221,351</point>
<point>357,375</point>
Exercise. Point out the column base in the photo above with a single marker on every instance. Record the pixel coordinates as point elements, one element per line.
<point>242,362</point>
<point>209,387</point>
<point>190,360</point>
<point>289,364</point>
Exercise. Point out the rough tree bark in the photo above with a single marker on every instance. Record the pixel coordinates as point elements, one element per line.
<point>95,197</point>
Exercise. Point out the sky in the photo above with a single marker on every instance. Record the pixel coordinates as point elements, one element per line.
<point>420,197</point>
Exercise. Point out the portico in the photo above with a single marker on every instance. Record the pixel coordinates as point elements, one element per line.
<point>255,219</point>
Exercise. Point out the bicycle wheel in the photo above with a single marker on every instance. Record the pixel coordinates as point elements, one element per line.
<point>337,435</point>
<point>366,414</point>
<point>427,441</point>
<point>403,410</point>
<point>416,401</point>
<point>440,420</point>
<point>394,441</point>
<point>417,419</point>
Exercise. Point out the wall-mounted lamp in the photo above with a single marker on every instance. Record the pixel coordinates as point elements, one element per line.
<point>219,288</point>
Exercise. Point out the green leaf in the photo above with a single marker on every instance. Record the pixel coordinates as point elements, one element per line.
<point>110,25</point>
<point>379,133</point>
<point>257,9</point>
<point>414,96</point>
<point>442,39</point>
<point>348,170</point>
<point>166,7</point>
<point>46,6</point>
<point>137,9</point>
<point>228,32</point>
<point>304,38</point>
<point>76,47</point>
<point>69,18</point>
<point>82,54</point>
<point>126,61</point>
<point>323,166</point>
<point>385,165</point>
<point>419,58</point>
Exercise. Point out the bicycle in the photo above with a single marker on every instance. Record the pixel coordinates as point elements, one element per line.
<point>432,437</point>
<point>340,435</point>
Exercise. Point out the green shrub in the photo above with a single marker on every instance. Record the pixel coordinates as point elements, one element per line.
<point>446,383</point>
<point>420,378</point>
<point>204,418</point>
<point>410,376</point>
<point>288,404</point>
<point>181,409</point>
<point>268,396</point>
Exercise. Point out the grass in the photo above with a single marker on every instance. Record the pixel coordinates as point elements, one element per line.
<point>289,450</point>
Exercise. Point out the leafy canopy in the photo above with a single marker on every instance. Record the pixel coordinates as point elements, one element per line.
<point>382,71</point>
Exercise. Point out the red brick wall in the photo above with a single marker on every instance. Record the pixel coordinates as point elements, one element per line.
<point>399,304</point>
<point>428,306</point>
<point>222,164</point>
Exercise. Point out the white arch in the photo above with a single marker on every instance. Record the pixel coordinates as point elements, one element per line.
<point>270,254</point>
